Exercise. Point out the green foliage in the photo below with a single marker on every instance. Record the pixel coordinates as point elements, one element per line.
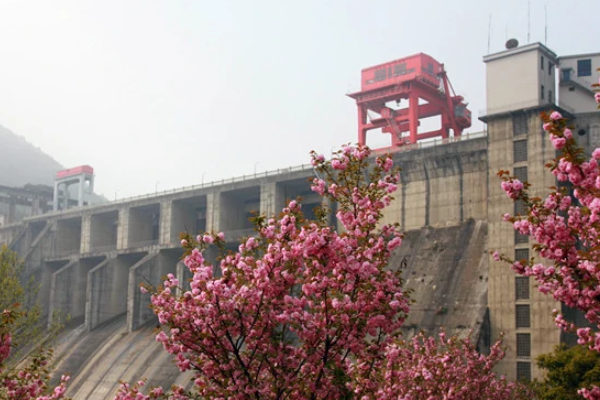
<point>567,370</point>
<point>29,332</point>
<point>16,294</point>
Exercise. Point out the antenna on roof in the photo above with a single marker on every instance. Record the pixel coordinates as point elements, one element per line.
<point>489,33</point>
<point>545,24</point>
<point>528,22</point>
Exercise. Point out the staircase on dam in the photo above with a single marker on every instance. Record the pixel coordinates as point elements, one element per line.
<point>90,261</point>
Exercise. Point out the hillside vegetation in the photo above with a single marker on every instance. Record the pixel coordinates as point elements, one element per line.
<point>22,163</point>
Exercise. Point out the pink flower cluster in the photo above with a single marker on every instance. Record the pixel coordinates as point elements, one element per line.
<point>426,368</point>
<point>31,381</point>
<point>566,227</point>
<point>302,311</point>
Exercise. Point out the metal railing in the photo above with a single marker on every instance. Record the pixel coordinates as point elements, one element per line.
<point>243,178</point>
<point>522,105</point>
<point>434,143</point>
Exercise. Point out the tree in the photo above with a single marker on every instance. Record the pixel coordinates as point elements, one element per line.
<point>567,371</point>
<point>304,312</point>
<point>566,227</point>
<point>25,325</point>
<point>27,329</point>
<point>21,378</point>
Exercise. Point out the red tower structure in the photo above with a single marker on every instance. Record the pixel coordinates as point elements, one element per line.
<point>417,77</point>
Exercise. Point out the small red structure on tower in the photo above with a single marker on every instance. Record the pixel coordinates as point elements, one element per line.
<point>415,77</point>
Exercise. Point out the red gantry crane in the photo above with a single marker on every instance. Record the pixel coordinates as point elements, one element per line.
<point>417,77</point>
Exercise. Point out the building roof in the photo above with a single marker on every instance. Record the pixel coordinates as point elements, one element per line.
<point>585,55</point>
<point>521,49</point>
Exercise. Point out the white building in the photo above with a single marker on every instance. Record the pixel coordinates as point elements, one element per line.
<point>521,84</point>
<point>520,77</point>
<point>577,74</point>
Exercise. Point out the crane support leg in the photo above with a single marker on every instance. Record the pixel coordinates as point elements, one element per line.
<point>413,116</point>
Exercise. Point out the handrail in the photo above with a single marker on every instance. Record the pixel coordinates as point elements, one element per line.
<point>432,143</point>
<point>515,107</point>
<point>243,178</point>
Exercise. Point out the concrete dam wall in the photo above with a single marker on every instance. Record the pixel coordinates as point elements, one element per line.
<point>445,267</point>
<point>90,261</point>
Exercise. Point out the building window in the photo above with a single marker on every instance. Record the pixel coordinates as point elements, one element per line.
<point>399,69</point>
<point>542,62</point>
<point>584,67</point>
<point>520,150</point>
<point>523,316</point>
<point>520,207</point>
<point>550,68</point>
<point>521,287</point>
<point>519,124</point>
<point>523,345</point>
<point>521,173</point>
<point>519,238</point>
<point>380,75</point>
<point>522,254</point>
<point>523,371</point>
<point>542,92</point>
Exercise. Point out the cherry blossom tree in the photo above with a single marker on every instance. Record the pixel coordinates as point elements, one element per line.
<point>302,311</point>
<point>425,368</point>
<point>566,227</point>
<point>28,382</point>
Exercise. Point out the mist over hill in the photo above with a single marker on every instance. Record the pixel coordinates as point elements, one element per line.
<point>22,163</point>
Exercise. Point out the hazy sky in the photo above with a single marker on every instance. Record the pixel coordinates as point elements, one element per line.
<point>155,93</point>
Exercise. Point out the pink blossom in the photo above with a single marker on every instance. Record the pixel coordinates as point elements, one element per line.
<point>565,234</point>
<point>300,305</point>
<point>338,164</point>
<point>317,159</point>
<point>558,142</point>
<point>567,133</point>
<point>208,239</point>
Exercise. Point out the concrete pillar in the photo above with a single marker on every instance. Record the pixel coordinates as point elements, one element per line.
<point>12,209</point>
<point>55,198</point>
<point>123,229</point>
<point>147,270</point>
<point>107,289</point>
<point>164,235</point>
<point>213,210</point>
<point>183,274</point>
<point>268,191</point>
<point>86,231</point>
<point>66,196</point>
<point>81,186</point>
<point>61,292</point>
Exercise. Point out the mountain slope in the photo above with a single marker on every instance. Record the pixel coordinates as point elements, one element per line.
<point>22,163</point>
